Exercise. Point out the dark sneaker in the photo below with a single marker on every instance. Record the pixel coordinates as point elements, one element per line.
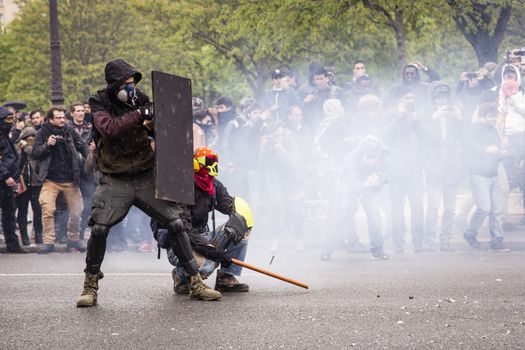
<point>445,247</point>
<point>228,283</point>
<point>16,250</point>
<point>497,246</point>
<point>379,255</point>
<point>46,249</point>
<point>75,246</point>
<point>472,241</point>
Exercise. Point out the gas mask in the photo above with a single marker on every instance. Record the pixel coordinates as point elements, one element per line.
<point>128,94</point>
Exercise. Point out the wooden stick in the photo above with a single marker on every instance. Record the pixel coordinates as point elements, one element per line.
<point>269,273</point>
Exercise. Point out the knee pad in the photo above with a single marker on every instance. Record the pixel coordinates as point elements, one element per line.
<point>176,226</point>
<point>100,231</point>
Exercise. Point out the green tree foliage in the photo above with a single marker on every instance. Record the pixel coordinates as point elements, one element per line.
<point>231,47</point>
<point>483,23</point>
<point>91,33</point>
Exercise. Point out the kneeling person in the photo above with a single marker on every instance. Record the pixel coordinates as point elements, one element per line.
<point>216,246</point>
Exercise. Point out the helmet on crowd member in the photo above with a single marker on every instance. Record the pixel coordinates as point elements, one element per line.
<point>204,157</point>
<point>372,147</point>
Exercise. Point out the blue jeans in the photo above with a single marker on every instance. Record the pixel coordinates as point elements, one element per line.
<point>434,194</point>
<point>237,251</point>
<point>489,202</point>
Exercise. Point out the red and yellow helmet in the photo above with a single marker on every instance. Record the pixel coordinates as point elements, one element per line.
<point>206,158</point>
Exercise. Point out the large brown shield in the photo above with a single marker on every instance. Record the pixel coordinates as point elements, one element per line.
<point>173,137</point>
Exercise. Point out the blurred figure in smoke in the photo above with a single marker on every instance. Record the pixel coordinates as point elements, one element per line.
<point>483,153</point>
<point>411,81</point>
<point>471,86</point>
<point>442,163</point>
<point>218,245</point>
<point>512,108</point>
<point>369,119</point>
<point>334,138</point>
<point>281,164</point>
<point>404,139</point>
<point>361,87</point>
<point>364,177</point>
<point>282,96</point>
<point>240,165</point>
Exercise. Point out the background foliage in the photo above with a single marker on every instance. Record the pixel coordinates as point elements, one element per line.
<point>230,47</point>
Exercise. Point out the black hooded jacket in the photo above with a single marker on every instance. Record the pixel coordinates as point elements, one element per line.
<point>9,159</point>
<point>122,142</point>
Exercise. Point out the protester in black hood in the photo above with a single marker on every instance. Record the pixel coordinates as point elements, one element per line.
<point>9,162</point>
<point>411,82</point>
<point>122,120</point>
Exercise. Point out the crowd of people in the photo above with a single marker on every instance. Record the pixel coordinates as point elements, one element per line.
<point>351,144</point>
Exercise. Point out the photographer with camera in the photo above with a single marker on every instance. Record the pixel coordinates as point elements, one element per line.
<point>58,150</point>
<point>472,85</point>
<point>404,138</point>
<point>442,163</point>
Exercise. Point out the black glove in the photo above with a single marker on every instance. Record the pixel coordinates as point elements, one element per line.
<point>146,111</point>
<point>212,253</point>
<point>224,258</point>
<point>235,235</point>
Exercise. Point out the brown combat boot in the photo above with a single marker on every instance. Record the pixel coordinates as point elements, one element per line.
<point>198,290</point>
<point>89,294</point>
<point>228,283</point>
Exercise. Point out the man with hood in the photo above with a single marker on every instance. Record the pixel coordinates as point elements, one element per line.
<point>57,150</point>
<point>122,119</point>
<point>442,163</point>
<point>411,82</point>
<point>9,162</point>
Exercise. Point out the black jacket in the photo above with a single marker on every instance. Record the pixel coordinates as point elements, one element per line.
<point>203,205</point>
<point>475,142</point>
<point>122,142</point>
<point>43,154</point>
<point>9,159</point>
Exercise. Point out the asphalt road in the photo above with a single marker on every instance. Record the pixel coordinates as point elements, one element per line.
<point>462,300</point>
